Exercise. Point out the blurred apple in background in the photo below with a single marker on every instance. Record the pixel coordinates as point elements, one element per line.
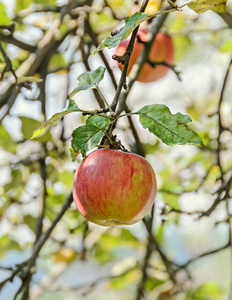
<point>162,50</point>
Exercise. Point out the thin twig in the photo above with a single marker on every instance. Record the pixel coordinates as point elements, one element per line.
<point>8,66</point>
<point>220,125</point>
<point>185,265</point>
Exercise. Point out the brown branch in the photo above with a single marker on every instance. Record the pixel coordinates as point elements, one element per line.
<point>163,63</point>
<point>87,66</point>
<point>183,212</point>
<point>157,24</point>
<point>220,125</point>
<point>8,66</point>
<point>10,27</point>
<point>226,16</point>
<point>185,265</point>
<point>15,272</point>
<point>149,251</point>
<point>127,55</point>
<point>168,264</point>
<point>14,41</point>
<point>105,61</point>
<point>139,148</point>
<point>223,194</point>
<point>23,270</point>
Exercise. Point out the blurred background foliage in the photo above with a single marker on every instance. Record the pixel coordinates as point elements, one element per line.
<point>186,254</point>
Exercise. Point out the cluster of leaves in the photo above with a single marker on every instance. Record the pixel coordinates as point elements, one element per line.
<point>171,129</point>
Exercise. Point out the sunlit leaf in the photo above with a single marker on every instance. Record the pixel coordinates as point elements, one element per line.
<point>6,244</point>
<point>89,80</point>
<point>16,180</point>
<point>6,141</point>
<point>226,46</point>
<point>201,6</point>
<point>4,20</point>
<point>29,125</point>
<point>55,119</point>
<point>152,283</point>
<point>56,61</point>
<point>171,129</point>
<point>30,221</point>
<point>209,290</point>
<point>130,24</point>
<point>64,255</point>
<point>23,4</point>
<point>102,21</point>
<point>123,281</point>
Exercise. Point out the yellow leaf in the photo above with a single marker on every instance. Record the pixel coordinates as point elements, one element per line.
<point>152,7</point>
<point>201,6</point>
<point>64,255</point>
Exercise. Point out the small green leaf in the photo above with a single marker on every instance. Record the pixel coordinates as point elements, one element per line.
<point>29,78</point>
<point>6,141</point>
<point>152,283</point>
<point>130,24</point>
<point>72,107</point>
<point>171,129</point>
<point>29,125</point>
<point>89,80</point>
<point>30,221</point>
<point>88,136</point>
<point>98,121</point>
<point>4,20</point>
<point>6,244</point>
<point>85,138</point>
<point>200,6</point>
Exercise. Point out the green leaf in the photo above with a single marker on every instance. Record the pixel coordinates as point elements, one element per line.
<point>102,21</point>
<point>126,279</point>
<point>98,121</point>
<point>16,180</point>
<point>89,80</point>
<point>72,107</point>
<point>130,24</point>
<point>6,141</point>
<point>56,61</point>
<point>29,78</point>
<point>152,283</point>
<point>227,46</point>
<point>30,221</point>
<point>6,244</point>
<point>171,129</point>
<point>29,125</point>
<point>88,136</point>
<point>47,2</point>
<point>22,4</point>
<point>200,6</point>
<point>4,20</point>
<point>209,290</point>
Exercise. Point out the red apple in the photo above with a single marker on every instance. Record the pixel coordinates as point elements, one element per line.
<point>162,50</point>
<point>112,187</point>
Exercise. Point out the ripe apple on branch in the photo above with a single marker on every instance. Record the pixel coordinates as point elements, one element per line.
<point>113,187</point>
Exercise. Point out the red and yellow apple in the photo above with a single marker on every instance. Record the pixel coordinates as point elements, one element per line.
<point>162,50</point>
<point>112,187</point>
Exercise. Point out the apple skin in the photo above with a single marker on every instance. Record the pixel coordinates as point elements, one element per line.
<point>162,50</point>
<point>112,187</point>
